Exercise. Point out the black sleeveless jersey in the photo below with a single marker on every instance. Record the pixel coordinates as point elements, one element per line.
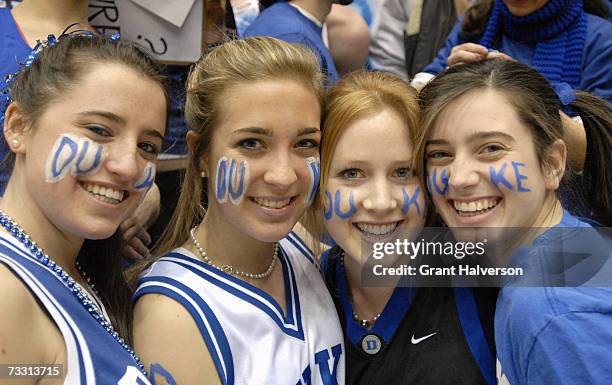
<point>428,345</point>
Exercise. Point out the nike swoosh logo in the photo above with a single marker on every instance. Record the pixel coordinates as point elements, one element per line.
<point>417,340</point>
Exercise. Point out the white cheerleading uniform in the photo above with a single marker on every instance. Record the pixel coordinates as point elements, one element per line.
<point>93,356</point>
<point>249,338</point>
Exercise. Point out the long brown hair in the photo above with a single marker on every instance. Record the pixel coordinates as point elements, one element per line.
<point>55,71</point>
<point>537,105</point>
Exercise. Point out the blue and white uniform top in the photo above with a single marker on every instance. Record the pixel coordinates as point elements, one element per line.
<point>93,356</point>
<point>250,338</point>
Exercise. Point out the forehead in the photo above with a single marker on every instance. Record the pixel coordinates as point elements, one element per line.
<point>117,89</point>
<point>282,106</point>
<point>378,137</point>
<point>475,112</point>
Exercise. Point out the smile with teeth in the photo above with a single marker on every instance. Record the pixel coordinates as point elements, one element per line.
<point>105,194</point>
<point>272,203</point>
<point>377,229</point>
<point>475,207</point>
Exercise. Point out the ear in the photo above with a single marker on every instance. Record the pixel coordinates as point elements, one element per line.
<point>556,156</point>
<point>192,142</point>
<point>15,128</point>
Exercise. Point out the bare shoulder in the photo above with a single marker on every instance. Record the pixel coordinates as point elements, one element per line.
<point>168,341</point>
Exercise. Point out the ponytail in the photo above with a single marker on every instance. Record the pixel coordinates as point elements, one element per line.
<point>594,184</point>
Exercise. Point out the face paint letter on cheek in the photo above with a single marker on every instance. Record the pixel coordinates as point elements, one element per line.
<point>498,177</point>
<point>433,181</point>
<point>338,206</point>
<point>90,157</point>
<point>221,180</point>
<point>409,201</point>
<point>147,179</point>
<point>315,174</point>
<point>60,158</point>
<point>329,211</point>
<point>519,177</point>
<point>241,178</point>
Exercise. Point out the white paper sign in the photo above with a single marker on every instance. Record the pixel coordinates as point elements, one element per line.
<point>165,41</point>
<point>173,11</point>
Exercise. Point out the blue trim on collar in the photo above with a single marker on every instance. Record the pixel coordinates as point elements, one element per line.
<point>292,299</point>
<point>392,315</point>
<point>473,332</point>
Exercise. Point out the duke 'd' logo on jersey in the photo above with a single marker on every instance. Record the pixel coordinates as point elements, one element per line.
<point>329,374</point>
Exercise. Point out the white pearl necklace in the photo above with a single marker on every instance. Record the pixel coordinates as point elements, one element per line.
<point>230,269</point>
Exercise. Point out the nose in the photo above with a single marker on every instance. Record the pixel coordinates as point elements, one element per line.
<point>281,172</point>
<point>123,161</point>
<point>380,197</point>
<point>462,174</point>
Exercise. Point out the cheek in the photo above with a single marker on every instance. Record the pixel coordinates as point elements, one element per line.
<point>340,204</point>
<point>231,180</point>
<point>413,202</point>
<point>313,166</point>
<point>511,176</point>
<point>437,181</point>
<point>71,154</point>
<point>147,178</point>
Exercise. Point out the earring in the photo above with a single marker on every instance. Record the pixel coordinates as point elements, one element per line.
<point>203,174</point>
<point>15,142</point>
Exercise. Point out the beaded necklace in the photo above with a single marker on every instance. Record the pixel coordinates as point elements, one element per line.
<point>80,294</point>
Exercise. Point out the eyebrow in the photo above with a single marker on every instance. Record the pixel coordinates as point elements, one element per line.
<point>475,137</point>
<point>118,119</point>
<point>268,132</point>
<point>154,133</point>
<point>103,114</point>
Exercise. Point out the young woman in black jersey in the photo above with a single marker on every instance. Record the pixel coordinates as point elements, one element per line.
<point>394,334</point>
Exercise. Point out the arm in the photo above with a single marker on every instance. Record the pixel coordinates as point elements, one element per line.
<point>166,336</point>
<point>21,323</point>
<point>387,49</point>
<point>134,236</point>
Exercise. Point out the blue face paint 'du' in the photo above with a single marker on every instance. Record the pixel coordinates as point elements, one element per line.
<point>221,180</point>
<point>498,177</point>
<point>432,182</point>
<point>314,168</point>
<point>147,179</point>
<point>231,179</point>
<point>408,201</point>
<point>336,207</point>
<point>241,178</point>
<point>81,156</point>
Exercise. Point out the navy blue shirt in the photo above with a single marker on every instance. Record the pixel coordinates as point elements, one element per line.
<point>596,70</point>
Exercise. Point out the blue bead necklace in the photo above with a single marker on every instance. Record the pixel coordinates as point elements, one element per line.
<point>16,231</point>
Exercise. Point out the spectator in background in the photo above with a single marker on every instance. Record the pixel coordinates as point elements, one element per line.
<point>348,37</point>
<point>566,40</point>
<point>406,35</point>
<point>299,21</point>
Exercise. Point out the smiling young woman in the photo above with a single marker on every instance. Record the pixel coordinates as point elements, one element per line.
<point>84,157</point>
<point>493,154</point>
<point>233,295</point>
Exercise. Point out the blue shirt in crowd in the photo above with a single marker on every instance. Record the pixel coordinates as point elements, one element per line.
<point>596,71</point>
